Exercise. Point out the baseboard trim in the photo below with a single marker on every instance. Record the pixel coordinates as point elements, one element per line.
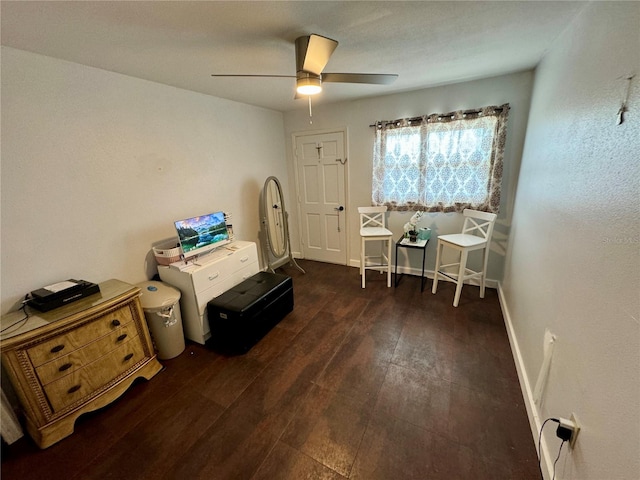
<point>525,385</point>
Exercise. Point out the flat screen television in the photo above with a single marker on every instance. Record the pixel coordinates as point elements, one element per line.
<point>200,235</point>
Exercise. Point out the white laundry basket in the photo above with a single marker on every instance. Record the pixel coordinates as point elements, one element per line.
<point>161,306</point>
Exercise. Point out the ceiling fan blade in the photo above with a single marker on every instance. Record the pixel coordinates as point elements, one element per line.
<point>243,75</point>
<point>313,53</point>
<point>372,78</point>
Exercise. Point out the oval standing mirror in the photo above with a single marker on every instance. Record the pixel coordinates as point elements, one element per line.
<point>274,217</point>
<point>276,224</point>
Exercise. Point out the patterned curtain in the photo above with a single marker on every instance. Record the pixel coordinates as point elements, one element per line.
<point>440,162</point>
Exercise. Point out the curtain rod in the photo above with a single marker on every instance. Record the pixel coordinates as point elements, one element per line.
<point>451,114</point>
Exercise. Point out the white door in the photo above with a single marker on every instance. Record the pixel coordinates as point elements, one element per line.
<point>321,164</point>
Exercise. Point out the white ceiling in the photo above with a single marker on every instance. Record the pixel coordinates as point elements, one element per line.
<point>181,43</point>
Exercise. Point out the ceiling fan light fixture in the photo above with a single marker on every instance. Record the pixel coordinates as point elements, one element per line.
<point>312,55</point>
<point>308,85</point>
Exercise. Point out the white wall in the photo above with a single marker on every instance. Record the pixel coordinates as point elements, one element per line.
<point>574,259</point>
<point>96,166</point>
<point>356,116</point>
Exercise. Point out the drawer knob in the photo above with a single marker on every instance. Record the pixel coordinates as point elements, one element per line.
<point>75,388</point>
<point>128,357</point>
<point>57,348</point>
<point>122,337</point>
<point>115,322</point>
<point>214,276</point>
<point>66,366</point>
<point>244,259</point>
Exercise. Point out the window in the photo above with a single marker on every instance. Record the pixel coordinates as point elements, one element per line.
<point>445,162</point>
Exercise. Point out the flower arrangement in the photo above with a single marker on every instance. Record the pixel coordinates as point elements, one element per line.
<point>411,227</point>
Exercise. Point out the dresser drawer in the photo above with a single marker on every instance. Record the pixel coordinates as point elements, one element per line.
<point>84,381</point>
<point>244,257</point>
<point>78,338</point>
<point>60,367</point>
<point>209,275</point>
<point>247,271</point>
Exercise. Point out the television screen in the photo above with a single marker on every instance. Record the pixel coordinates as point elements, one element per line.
<point>202,234</point>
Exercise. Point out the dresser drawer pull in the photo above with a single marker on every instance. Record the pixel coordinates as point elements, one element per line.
<point>115,322</point>
<point>66,366</point>
<point>73,389</point>
<point>244,259</point>
<point>121,337</point>
<point>214,276</point>
<point>128,357</point>
<point>57,348</point>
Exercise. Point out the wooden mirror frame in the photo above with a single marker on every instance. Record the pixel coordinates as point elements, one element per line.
<point>275,220</point>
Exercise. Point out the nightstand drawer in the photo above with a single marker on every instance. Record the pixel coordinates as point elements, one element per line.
<point>78,338</point>
<point>71,362</point>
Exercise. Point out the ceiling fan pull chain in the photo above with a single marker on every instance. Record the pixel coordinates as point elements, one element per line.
<point>310,114</point>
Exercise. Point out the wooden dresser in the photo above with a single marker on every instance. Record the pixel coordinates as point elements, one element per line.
<point>77,358</point>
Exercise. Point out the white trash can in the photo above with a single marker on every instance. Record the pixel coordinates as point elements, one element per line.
<point>161,306</point>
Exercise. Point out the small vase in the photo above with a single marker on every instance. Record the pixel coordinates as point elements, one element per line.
<point>424,234</point>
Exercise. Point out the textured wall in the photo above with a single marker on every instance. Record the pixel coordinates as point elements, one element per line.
<point>574,264</point>
<point>96,166</point>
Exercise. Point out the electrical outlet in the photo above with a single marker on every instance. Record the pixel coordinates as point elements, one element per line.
<point>576,430</point>
<point>568,429</point>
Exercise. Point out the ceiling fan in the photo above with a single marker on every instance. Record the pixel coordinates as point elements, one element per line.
<point>312,54</point>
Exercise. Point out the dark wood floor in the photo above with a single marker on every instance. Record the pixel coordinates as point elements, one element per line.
<point>371,383</point>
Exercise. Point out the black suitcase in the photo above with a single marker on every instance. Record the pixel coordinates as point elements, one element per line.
<point>241,316</point>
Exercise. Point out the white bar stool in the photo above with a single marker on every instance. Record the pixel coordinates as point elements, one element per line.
<point>476,235</point>
<point>373,226</point>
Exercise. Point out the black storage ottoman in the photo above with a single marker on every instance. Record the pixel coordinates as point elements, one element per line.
<point>241,316</point>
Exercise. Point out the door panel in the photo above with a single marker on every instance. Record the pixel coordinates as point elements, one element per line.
<point>311,194</point>
<point>314,231</point>
<point>333,241</point>
<point>331,179</point>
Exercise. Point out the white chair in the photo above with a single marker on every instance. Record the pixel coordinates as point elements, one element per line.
<point>373,227</point>
<point>476,235</point>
